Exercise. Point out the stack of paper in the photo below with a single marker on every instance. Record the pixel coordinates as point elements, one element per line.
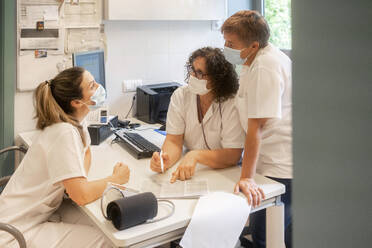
<point>217,222</point>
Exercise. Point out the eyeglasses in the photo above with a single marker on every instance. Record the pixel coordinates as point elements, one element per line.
<point>198,73</point>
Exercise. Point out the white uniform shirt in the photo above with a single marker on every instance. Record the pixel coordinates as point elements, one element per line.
<point>182,118</point>
<point>35,190</point>
<point>265,92</point>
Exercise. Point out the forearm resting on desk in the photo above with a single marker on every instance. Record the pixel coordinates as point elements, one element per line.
<point>173,147</point>
<point>219,158</point>
<point>82,191</point>
<point>171,153</point>
<point>216,159</point>
<point>87,160</point>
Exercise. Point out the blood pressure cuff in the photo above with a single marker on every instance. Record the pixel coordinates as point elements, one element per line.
<point>132,210</point>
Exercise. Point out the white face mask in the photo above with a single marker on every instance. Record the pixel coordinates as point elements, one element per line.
<point>99,98</point>
<point>238,69</point>
<point>233,56</point>
<point>198,86</point>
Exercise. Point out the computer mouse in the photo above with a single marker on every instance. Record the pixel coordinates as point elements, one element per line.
<point>162,128</point>
<point>122,123</point>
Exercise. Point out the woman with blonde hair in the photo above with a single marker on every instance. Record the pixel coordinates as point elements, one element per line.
<point>58,161</point>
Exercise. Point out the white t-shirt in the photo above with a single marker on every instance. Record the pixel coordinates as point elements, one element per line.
<point>35,190</point>
<point>265,91</point>
<point>182,118</point>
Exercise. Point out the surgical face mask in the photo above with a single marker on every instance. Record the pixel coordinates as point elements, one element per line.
<point>233,56</point>
<point>238,69</point>
<point>99,98</point>
<point>198,86</point>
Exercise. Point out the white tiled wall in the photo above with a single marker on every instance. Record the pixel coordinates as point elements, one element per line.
<point>153,51</point>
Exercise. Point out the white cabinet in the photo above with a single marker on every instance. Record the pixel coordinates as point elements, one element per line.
<point>165,9</point>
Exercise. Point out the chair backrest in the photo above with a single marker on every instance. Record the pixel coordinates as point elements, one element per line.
<point>4,180</point>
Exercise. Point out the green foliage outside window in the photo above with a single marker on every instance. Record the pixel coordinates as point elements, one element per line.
<point>278,15</point>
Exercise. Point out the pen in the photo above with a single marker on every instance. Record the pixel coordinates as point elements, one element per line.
<point>161,162</point>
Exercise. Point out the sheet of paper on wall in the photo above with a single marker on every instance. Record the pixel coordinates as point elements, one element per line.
<point>47,39</point>
<point>47,68</point>
<point>51,13</point>
<point>82,39</point>
<point>34,13</point>
<point>217,221</point>
<point>83,14</point>
<point>180,189</point>
<point>29,2</point>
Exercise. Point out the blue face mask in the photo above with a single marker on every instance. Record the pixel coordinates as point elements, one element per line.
<point>238,69</point>
<point>233,56</point>
<point>99,98</point>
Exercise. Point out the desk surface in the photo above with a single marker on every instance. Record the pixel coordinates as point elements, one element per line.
<point>105,156</point>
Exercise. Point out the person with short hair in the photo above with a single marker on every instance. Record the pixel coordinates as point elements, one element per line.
<point>202,117</point>
<point>265,110</point>
<point>58,161</point>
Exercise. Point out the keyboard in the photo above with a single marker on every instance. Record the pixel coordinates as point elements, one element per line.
<point>137,145</point>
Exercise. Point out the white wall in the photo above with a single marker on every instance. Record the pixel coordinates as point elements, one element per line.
<point>23,112</point>
<point>152,51</point>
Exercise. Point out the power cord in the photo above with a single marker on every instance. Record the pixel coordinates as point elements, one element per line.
<point>134,98</point>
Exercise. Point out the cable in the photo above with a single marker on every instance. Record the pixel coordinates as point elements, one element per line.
<point>112,128</point>
<point>171,204</point>
<point>134,98</point>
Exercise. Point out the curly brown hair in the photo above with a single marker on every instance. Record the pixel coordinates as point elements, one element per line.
<point>221,73</point>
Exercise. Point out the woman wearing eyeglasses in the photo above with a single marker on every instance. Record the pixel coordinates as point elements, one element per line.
<point>202,117</point>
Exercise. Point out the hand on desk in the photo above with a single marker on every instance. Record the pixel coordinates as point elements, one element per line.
<point>186,168</point>
<point>251,190</point>
<point>155,164</point>
<point>120,174</point>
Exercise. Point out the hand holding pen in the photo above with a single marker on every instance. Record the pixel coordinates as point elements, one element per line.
<point>159,162</point>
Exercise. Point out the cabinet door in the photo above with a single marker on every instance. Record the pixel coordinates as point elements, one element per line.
<point>165,9</point>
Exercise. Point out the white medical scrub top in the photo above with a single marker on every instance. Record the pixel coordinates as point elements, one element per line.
<point>265,92</point>
<point>182,118</point>
<point>35,190</point>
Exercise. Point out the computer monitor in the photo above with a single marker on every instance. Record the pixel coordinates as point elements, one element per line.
<point>94,62</point>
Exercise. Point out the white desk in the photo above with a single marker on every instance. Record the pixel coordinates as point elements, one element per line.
<point>106,155</point>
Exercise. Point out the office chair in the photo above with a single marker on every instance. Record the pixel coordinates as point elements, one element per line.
<point>3,181</point>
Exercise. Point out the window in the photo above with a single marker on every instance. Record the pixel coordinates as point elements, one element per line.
<point>278,16</point>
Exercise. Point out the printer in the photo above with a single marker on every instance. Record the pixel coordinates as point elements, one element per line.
<point>153,101</point>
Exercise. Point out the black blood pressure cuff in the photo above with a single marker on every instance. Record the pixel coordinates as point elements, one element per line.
<point>132,210</point>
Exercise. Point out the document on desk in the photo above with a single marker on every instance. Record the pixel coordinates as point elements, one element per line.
<point>179,189</point>
<point>217,221</point>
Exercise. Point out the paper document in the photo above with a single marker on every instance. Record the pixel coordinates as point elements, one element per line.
<point>48,39</point>
<point>217,222</point>
<point>179,189</point>
<point>34,13</point>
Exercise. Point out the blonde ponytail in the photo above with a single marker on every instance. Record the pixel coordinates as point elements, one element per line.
<point>48,111</point>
